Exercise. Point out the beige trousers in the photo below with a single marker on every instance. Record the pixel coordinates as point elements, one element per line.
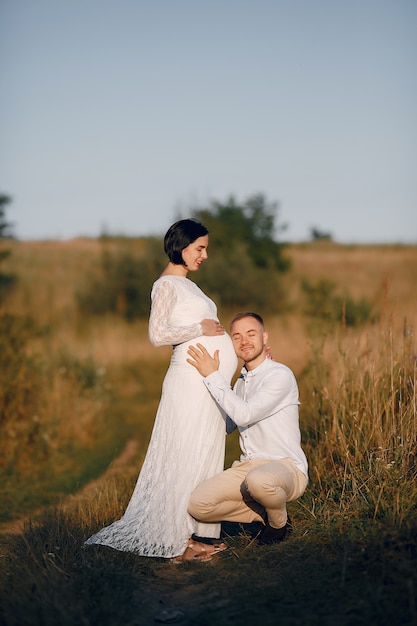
<point>247,491</point>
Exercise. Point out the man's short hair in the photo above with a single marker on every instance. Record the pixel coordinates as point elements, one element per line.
<point>243,314</point>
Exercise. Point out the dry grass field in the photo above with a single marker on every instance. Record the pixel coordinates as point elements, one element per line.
<point>77,389</point>
<point>50,273</point>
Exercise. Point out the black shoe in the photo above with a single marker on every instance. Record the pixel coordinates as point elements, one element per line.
<point>275,535</point>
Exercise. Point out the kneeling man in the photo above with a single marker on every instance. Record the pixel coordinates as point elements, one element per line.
<point>263,405</point>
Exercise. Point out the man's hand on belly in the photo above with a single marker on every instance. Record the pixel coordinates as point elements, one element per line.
<point>202,360</point>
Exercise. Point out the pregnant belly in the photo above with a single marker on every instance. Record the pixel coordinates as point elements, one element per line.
<point>223,343</point>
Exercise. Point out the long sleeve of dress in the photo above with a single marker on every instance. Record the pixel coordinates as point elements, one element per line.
<point>161,333</point>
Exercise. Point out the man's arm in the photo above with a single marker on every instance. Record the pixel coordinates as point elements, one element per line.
<point>206,365</point>
<point>278,389</point>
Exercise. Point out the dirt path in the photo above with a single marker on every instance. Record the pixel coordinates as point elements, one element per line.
<point>16,526</point>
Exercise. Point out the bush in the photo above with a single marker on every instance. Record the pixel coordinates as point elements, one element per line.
<point>20,379</point>
<point>7,281</point>
<point>52,411</point>
<point>123,283</point>
<point>322,303</point>
<point>241,285</point>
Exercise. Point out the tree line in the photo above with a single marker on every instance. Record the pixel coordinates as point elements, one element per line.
<point>246,263</point>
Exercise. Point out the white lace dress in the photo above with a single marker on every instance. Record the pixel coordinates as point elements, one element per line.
<point>188,438</point>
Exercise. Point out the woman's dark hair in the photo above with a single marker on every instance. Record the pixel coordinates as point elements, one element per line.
<point>179,236</point>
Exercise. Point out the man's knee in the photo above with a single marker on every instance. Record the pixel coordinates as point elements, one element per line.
<point>198,506</point>
<point>259,484</point>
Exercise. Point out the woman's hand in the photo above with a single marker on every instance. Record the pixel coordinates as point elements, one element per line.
<point>212,328</point>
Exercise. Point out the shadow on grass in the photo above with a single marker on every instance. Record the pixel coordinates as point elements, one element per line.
<point>48,577</point>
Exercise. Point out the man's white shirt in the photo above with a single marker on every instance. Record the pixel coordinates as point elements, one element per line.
<point>263,405</point>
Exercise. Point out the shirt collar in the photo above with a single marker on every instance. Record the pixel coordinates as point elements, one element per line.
<point>244,372</point>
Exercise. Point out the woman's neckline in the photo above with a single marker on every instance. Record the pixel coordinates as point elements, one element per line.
<point>173,276</point>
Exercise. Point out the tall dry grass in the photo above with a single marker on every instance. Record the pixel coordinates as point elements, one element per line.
<point>361,427</point>
<point>357,384</point>
<point>84,386</point>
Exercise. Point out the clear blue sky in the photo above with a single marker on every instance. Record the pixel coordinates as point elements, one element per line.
<point>121,115</point>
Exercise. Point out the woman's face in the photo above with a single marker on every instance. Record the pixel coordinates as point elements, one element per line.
<point>194,254</point>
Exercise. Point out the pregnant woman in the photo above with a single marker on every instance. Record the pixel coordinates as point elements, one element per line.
<point>187,444</point>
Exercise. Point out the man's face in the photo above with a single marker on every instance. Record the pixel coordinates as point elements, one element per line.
<point>249,340</point>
